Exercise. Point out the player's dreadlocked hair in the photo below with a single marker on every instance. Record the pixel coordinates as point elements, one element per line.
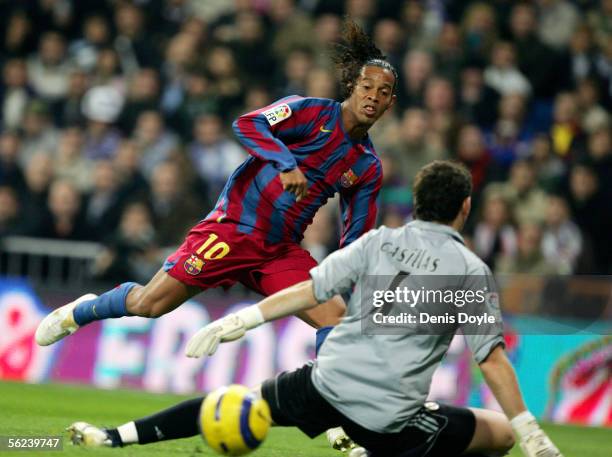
<point>354,52</point>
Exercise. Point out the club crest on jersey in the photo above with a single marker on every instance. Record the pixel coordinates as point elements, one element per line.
<point>277,114</point>
<point>348,178</point>
<point>193,265</point>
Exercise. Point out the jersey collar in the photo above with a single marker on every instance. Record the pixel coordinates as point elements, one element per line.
<point>440,228</point>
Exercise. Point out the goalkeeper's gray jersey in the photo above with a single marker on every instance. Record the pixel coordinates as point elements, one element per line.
<point>381,380</point>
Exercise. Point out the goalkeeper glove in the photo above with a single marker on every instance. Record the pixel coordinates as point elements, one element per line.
<point>533,440</point>
<point>228,328</point>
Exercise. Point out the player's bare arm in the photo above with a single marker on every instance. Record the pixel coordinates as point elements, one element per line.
<point>290,301</point>
<point>501,379</point>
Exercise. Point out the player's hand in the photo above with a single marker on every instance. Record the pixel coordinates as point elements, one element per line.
<point>538,444</point>
<point>207,339</point>
<point>533,440</point>
<point>295,182</point>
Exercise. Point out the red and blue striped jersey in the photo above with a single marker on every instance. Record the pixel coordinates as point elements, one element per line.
<point>307,133</point>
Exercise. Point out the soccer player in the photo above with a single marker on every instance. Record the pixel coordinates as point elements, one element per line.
<point>303,151</point>
<point>381,399</point>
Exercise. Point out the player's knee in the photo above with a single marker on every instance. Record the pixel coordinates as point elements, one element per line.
<point>506,442</point>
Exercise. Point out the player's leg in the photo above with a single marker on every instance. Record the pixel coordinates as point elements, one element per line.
<point>178,421</point>
<point>159,296</point>
<point>201,262</point>
<point>447,431</point>
<point>302,407</point>
<point>493,434</point>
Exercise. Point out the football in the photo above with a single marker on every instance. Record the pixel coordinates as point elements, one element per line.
<point>234,421</point>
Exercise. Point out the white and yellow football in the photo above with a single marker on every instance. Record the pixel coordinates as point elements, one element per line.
<point>234,421</point>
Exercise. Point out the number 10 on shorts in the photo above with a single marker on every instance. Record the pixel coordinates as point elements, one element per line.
<point>213,251</point>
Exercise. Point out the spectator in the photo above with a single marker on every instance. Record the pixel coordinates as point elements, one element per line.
<point>130,253</point>
<point>11,221</point>
<point>395,196</point>
<point>590,209</point>
<point>562,241</point>
<point>155,142</point>
<point>225,80</point>
<point>592,114</point>
<point>600,20</point>
<point>102,205</point>
<point>528,202</point>
<point>181,54</point>
<point>604,71</point>
<point>108,71</point>
<point>134,48</point>
<point>509,139</point>
<point>472,152</point>
<point>127,165</point>
<point>440,104</point>
<point>298,64</point>
<point>174,209</point>
<point>18,37</point>
<point>389,37</point>
<point>600,154</point>
<point>361,11</point>
<point>450,56</point>
<point>326,32</point>
<point>477,101</point>
<point>494,234</point>
<point>290,28</point>
<point>96,35</point>
<point>68,110</point>
<point>537,61</point>
<point>421,27</point>
<point>101,107</point>
<point>213,156</point>
<point>143,95</point>
<point>63,218</point>
<point>580,56</point>
<point>15,94</point>
<point>550,169</point>
<point>320,83</point>
<point>479,32</point>
<point>252,46</point>
<point>558,20</point>
<point>48,69</point>
<point>200,98</point>
<point>529,258</point>
<point>38,133</point>
<point>38,176</point>
<point>503,75</point>
<point>417,68</point>
<point>416,147</point>
<point>566,125</point>
<point>10,171</point>
<point>69,163</point>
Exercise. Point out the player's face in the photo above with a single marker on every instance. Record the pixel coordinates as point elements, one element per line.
<point>372,94</point>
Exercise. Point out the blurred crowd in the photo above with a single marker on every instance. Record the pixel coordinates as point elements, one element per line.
<point>116,117</point>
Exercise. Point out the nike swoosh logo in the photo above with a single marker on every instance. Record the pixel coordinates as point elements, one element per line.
<point>325,130</point>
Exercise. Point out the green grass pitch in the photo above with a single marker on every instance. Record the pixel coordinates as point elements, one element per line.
<point>48,409</point>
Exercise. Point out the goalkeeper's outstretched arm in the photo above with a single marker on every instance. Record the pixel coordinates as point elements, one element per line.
<point>287,302</point>
<point>501,378</point>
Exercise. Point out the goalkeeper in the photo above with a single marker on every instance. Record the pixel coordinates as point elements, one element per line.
<point>379,393</point>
